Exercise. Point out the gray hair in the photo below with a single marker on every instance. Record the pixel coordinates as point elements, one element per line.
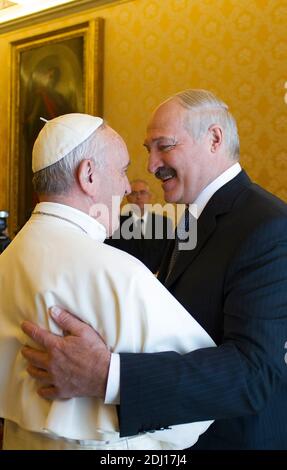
<point>139,180</point>
<point>60,177</point>
<point>205,109</point>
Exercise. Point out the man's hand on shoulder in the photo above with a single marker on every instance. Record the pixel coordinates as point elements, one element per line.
<point>73,365</point>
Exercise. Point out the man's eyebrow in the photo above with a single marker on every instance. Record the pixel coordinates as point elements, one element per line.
<point>158,139</point>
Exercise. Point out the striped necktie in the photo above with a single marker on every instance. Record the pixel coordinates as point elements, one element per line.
<point>139,229</point>
<point>182,234</point>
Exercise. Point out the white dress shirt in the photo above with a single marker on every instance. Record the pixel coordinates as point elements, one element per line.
<point>143,218</point>
<point>206,194</point>
<point>196,208</point>
<point>58,258</point>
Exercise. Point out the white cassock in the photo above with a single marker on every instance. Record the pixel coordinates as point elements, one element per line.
<point>59,258</point>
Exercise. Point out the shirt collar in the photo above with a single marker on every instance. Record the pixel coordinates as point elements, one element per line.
<point>202,199</point>
<point>79,219</point>
<point>143,217</point>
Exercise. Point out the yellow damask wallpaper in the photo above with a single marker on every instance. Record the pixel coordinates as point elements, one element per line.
<point>154,48</point>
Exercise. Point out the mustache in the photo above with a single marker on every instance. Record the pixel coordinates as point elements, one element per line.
<point>164,172</point>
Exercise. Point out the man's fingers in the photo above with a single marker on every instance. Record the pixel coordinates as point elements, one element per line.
<point>39,335</point>
<point>39,374</point>
<point>67,321</point>
<point>49,393</point>
<point>36,358</point>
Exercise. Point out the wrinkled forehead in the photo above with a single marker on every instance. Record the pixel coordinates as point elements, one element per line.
<point>167,119</point>
<point>139,186</point>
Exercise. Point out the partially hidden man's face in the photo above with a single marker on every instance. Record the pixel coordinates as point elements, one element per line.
<point>140,194</point>
<point>174,156</point>
<point>114,184</point>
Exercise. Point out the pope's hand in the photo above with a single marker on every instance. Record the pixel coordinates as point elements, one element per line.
<point>73,365</point>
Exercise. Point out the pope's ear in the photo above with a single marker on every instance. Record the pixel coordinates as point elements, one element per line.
<point>86,175</point>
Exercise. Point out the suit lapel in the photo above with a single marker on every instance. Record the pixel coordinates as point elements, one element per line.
<point>149,226</point>
<point>220,203</point>
<point>205,227</point>
<point>163,270</point>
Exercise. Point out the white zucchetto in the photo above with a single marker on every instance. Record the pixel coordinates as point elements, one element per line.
<point>60,136</point>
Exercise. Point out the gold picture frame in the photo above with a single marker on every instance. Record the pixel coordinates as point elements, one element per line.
<point>52,74</point>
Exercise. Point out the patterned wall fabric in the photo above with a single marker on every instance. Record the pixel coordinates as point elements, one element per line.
<point>154,48</point>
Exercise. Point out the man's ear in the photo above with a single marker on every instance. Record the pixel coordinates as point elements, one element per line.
<point>216,137</point>
<point>86,176</point>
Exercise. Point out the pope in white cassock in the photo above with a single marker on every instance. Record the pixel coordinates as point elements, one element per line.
<point>59,258</point>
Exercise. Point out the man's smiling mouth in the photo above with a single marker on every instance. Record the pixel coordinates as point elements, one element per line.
<point>164,173</point>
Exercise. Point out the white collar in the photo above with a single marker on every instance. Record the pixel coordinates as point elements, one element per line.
<point>142,217</point>
<point>69,214</point>
<point>202,199</point>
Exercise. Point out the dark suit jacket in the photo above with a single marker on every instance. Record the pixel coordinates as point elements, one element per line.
<point>4,242</point>
<point>235,284</point>
<point>151,248</point>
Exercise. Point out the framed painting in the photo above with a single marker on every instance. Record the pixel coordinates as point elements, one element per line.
<point>53,74</point>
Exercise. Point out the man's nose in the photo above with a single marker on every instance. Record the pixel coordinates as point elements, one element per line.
<point>153,162</point>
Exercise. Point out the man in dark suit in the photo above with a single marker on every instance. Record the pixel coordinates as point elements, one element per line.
<point>142,233</point>
<point>234,283</point>
<point>4,239</point>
